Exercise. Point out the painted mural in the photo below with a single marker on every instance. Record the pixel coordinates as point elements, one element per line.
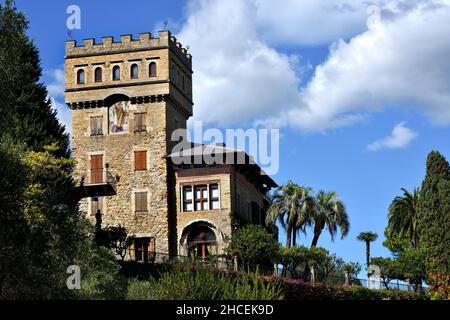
<point>118,117</point>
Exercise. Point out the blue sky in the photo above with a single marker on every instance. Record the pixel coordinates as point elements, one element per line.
<point>386,84</point>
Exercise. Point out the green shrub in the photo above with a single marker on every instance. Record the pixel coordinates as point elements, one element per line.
<point>140,290</point>
<point>253,287</point>
<point>100,278</point>
<point>201,283</point>
<point>189,284</point>
<point>300,290</point>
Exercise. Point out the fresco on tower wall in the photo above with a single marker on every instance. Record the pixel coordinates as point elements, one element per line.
<point>118,117</point>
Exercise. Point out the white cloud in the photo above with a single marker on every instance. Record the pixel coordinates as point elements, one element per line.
<point>239,77</point>
<point>400,137</point>
<point>56,88</point>
<point>236,75</point>
<point>402,60</point>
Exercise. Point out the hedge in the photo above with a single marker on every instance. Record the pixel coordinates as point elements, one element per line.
<point>301,290</point>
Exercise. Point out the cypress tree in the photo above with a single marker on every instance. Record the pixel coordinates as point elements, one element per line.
<point>26,113</point>
<point>434,214</point>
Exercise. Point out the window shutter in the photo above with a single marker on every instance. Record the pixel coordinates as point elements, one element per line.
<point>140,160</point>
<point>141,201</point>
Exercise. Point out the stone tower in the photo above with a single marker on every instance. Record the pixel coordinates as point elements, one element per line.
<point>126,99</point>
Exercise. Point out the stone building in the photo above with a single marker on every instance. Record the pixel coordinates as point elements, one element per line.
<point>127,98</point>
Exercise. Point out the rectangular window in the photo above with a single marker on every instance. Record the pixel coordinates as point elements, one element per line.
<point>140,203</point>
<point>96,126</point>
<point>214,196</point>
<point>96,205</point>
<point>141,249</point>
<point>201,198</point>
<point>140,160</point>
<point>176,123</point>
<point>139,122</point>
<point>187,199</point>
<point>144,249</point>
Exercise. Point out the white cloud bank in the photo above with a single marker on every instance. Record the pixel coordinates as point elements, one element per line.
<point>239,77</point>
<point>400,138</point>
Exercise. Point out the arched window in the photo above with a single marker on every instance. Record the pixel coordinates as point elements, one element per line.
<point>80,76</point>
<point>134,71</point>
<point>152,69</point>
<point>116,73</point>
<point>182,82</point>
<point>98,74</point>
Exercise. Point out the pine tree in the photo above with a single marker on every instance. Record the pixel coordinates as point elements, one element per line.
<point>434,214</point>
<point>26,113</point>
<point>41,230</point>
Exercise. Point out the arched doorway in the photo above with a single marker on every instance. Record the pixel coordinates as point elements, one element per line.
<point>202,242</point>
<point>199,240</point>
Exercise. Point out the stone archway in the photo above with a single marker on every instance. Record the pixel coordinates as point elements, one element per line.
<point>200,239</point>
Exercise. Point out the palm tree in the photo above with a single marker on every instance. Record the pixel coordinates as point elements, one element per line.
<point>329,212</point>
<point>292,205</point>
<point>367,237</point>
<point>402,216</point>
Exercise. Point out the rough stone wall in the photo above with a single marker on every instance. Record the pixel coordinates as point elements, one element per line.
<point>118,150</point>
<point>220,218</point>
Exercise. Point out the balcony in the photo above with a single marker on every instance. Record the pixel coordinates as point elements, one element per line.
<point>97,183</point>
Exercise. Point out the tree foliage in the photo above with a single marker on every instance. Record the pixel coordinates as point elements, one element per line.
<point>292,206</point>
<point>329,212</point>
<point>41,229</point>
<point>402,217</point>
<point>252,244</point>
<point>367,237</point>
<point>26,113</point>
<point>434,214</point>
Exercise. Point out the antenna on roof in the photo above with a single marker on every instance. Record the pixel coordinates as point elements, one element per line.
<point>165,22</point>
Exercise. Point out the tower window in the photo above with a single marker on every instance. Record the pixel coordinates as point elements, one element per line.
<point>116,73</point>
<point>140,199</point>
<point>98,74</point>
<point>80,76</point>
<point>139,122</point>
<point>134,71</point>
<point>182,82</point>
<point>152,69</point>
<point>96,126</point>
<point>140,160</point>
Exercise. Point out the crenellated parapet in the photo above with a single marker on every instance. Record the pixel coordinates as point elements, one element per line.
<point>127,43</point>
